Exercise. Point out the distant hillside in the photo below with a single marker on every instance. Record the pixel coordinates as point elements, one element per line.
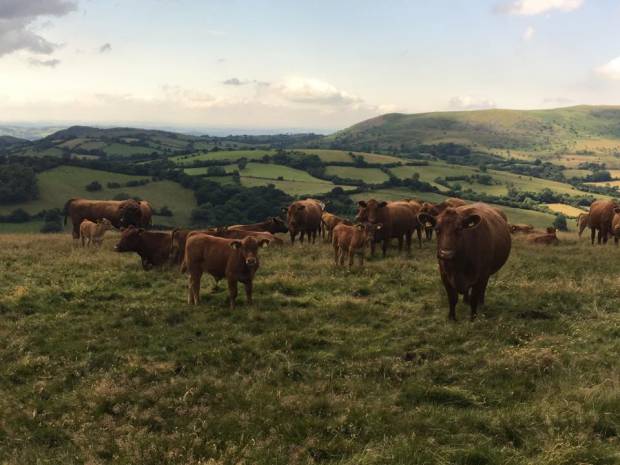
<point>10,141</point>
<point>542,131</point>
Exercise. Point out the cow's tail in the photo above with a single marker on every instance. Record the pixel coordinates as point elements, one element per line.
<point>66,209</point>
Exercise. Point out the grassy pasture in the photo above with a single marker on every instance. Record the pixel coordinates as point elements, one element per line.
<point>368,175</point>
<point>343,156</point>
<point>231,155</point>
<point>107,363</point>
<point>58,185</point>
<point>567,210</point>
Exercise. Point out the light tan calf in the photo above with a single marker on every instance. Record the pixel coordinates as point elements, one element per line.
<point>352,240</point>
<point>93,232</point>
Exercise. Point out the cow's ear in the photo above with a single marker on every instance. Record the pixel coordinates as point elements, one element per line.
<point>235,245</point>
<point>362,204</point>
<point>264,242</point>
<point>382,204</point>
<point>471,221</point>
<point>424,218</point>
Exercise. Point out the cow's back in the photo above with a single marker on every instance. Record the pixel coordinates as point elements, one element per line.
<point>208,252</point>
<point>400,219</point>
<point>601,214</point>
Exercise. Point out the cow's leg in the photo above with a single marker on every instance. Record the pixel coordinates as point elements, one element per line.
<point>419,233</point>
<point>373,246</point>
<point>592,234</point>
<point>193,297</point>
<point>605,235</point>
<point>384,246</point>
<point>408,236</point>
<point>83,241</point>
<point>453,298</point>
<point>232,292</point>
<point>76,229</point>
<point>477,297</point>
<point>341,253</point>
<point>248,292</point>
<point>400,243</point>
<point>616,240</point>
<point>292,237</point>
<point>466,296</point>
<point>336,253</point>
<point>301,237</point>
<point>351,257</point>
<point>599,236</point>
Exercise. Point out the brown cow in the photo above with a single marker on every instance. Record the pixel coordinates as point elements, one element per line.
<point>272,225</point>
<point>121,213</point>
<point>434,209</point>
<point>329,221</point>
<point>146,214</point>
<point>473,243</point>
<point>583,221</point>
<point>304,217</point>
<point>352,240</point>
<point>178,239</point>
<point>601,216</point>
<point>154,248</point>
<point>93,232</point>
<point>397,220</point>
<point>521,228</point>
<point>615,225</point>
<point>232,259</point>
<point>547,238</point>
<point>242,234</point>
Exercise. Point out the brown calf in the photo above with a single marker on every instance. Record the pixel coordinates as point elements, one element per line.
<point>93,232</point>
<point>548,238</point>
<point>153,247</point>
<point>352,240</point>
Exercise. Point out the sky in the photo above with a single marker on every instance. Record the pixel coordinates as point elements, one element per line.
<point>299,65</point>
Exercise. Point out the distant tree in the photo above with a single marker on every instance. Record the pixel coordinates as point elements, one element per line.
<point>53,221</point>
<point>559,222</point>
<point>18,216</point>
<point>242,163</point>
<point>165,211</point>
<point>94,186</point>
<point>18,183</point>
<point>216,171</point>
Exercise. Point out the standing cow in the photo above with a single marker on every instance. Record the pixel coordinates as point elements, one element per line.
<point>582,222</point>
<point>121,213</point>
<point>397,219</point>
<point>615,225</point>
<point>304,218</point>
<point>93,232</point>
<point>473,243</point>
<point>601,216</point>
<point>328,222</point>
<point>146,214</point>
<point>349,241</point>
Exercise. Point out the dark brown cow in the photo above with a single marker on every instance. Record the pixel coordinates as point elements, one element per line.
<point>521,228</point>
<point>548,238</point>
<point>601,216</point>
<point>473,243</point>
<point>146,214</point>
<point>583,220</point>
<point>434,209</point>
<point>397,220</point>
<point>304,217</point>
<point>153,247</point>
<point>615,225</point>
<point>415,207</point>
<point>329,221</point>
<point>121,213</point>
<point>271,225</point>
<point>352,240</point>
<point>235,260</point>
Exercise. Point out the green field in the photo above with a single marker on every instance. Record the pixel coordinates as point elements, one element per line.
<point>58,185</point>
<point>330,156</point>
<point>107,364</point>
<point>368,175</point>
<point>231,155</point>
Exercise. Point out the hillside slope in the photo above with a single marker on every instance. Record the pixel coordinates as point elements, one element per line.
<point>495,130</point>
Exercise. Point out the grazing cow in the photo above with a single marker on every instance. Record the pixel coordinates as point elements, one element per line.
<point>601,215</point>
<point>93,232</point>
<point>615,225</point>
<point>547,238</point>
<point>397,220</point>
<point>583,221</point>
<point>153,247</point>
<point>272,225</point>
<point>121,213</point>
<point>329,221</point>
<point>352,240</point>
<point>473,243</point>
<point>235,260</point>
<point>521,228</point>
<point>304,217</point>
<point>146,214</point>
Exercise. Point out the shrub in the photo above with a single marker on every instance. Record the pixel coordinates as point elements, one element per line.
<point>94,186</point>
<point>559,222</point>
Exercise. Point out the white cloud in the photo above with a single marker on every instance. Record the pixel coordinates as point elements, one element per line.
<point>537,7</point>
<point>105,48</point>
<point>529,33</point>
<point>314,91</point>
<point>16,18</point>
<point>469,102</point>
<point>48,63</point>
<point>610,70</point>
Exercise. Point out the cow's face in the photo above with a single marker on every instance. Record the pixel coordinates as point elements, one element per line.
<point>131,239</point>
<point>371,211</point>
<point>450,226</point>
<point>248,249</point>
<point>130,213</point>
<point>105,224</point>
<point>277,225</point>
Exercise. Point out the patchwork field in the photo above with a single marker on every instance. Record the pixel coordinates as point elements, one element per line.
<point>567,210</point>
<point>344,156</point>
<point>231,155</point>
<point>107,363</point>
<point>368,175</point>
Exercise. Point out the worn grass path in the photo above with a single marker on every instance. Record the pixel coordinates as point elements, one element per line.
<point>101,362</point>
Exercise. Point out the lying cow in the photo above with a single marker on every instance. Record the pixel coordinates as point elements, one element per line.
<point>235,260</point>
<point>473,243</point>
<point>271,225</point>
<point>329,221</point>
<point>521,228</point>
<point>352,240</point>
<point>153,247</point>
<point>121,213</point>
<point>93,232</point>
<point>547,238</point>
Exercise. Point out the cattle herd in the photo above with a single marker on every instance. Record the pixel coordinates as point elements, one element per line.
<point>473,240</point>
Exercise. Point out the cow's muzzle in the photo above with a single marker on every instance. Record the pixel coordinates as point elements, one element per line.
<point>444,254</point>
<point>250,262</point>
